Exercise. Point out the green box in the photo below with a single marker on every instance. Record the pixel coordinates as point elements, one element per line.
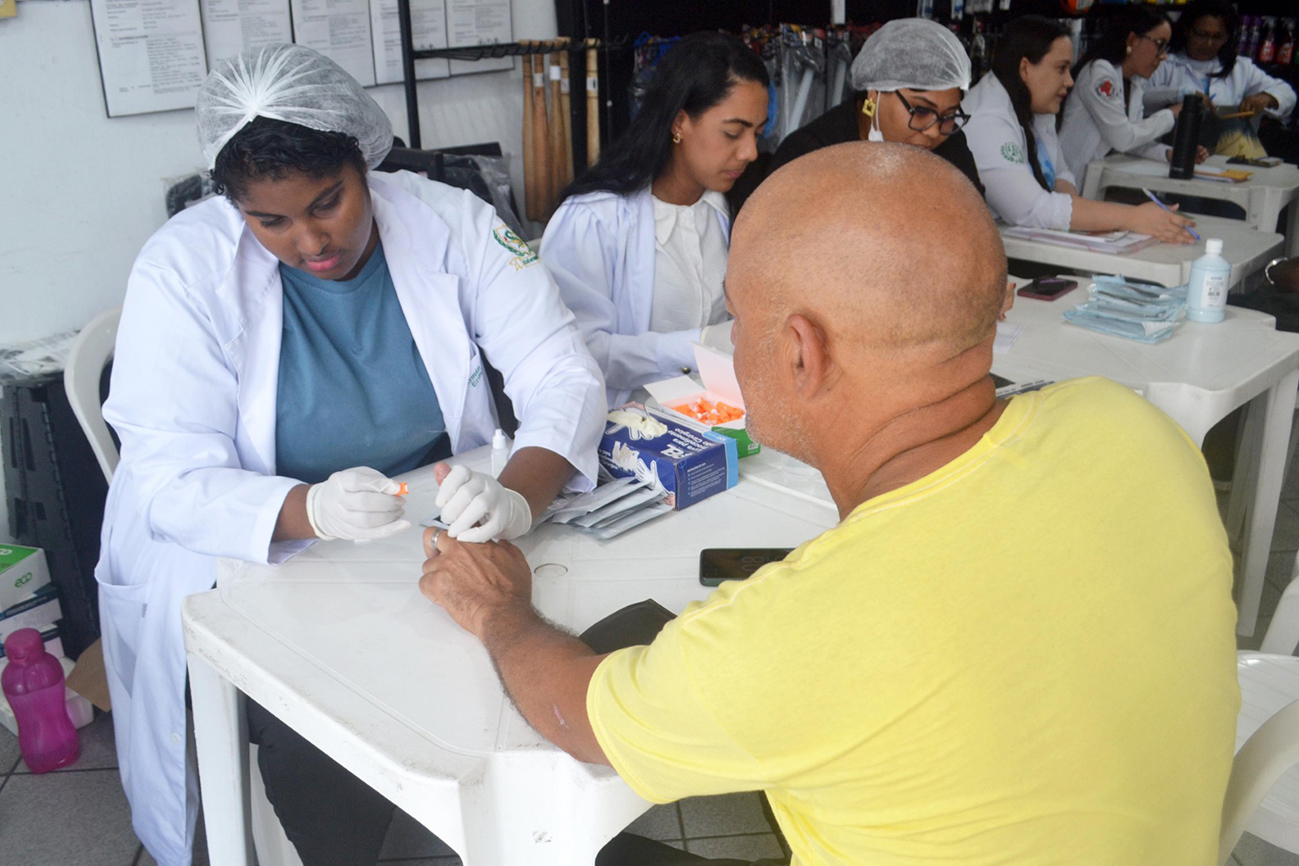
<point>22,571</point>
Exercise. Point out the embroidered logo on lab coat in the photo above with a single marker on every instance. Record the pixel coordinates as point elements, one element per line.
<point>523,254</point>
<point>476,376</point>
<point>1106,88</point>
<point>1012,152</point>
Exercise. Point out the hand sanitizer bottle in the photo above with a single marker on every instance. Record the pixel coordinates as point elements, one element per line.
<point>501,445</point>
<point>1206,292</point>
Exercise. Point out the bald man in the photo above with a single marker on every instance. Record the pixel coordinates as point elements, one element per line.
<point>1016,646</point>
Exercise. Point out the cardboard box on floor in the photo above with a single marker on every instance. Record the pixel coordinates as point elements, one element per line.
<point>88,678</point>
<point>23,570</point>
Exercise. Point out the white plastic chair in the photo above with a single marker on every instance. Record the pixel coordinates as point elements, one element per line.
<point>91,352</point>
<point>1263,792</point>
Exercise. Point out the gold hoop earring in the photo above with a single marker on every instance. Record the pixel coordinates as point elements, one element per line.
<point>868,107</point>
<point>676,138</point>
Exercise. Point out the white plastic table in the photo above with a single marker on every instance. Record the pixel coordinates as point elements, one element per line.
<point>1262,197</point>
<point>1198,376</point>
<point>339,643</point>
<point>1247,249</point>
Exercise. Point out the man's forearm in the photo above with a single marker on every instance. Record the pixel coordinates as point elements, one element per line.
<point>546,673</point>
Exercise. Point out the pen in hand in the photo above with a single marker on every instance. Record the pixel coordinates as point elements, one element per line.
<point>1150,195</point>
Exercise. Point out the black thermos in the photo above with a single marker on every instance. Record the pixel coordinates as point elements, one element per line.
<point>1186,140</point>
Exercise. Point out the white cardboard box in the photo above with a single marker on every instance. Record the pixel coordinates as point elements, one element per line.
<point>22,571</point>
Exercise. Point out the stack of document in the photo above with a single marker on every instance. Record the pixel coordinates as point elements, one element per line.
<point>1137,311</point>
<point>613,507</point>
<point>1118,242</point>
<point>1221,175</point>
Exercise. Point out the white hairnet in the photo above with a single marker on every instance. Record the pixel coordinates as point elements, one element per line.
<point>914,53</point>
<point>294,84</point>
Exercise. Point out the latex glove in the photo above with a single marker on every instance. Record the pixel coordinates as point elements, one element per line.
<point>355,504</point>
<point>718,336</point>
<point>467,498</point>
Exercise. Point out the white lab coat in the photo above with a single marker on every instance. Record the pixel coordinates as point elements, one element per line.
<point>1000,151</point>
<point>600,249</point>
<point>1174,77</point>
<point>1096,121</point>
<point>193,399</point>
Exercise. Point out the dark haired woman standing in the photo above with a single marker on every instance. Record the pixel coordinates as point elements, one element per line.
<point>638,246</point>
<point>1105,112</point>
<point>1204,61</point>
<point>1013,138</point>
<point>282,351</point>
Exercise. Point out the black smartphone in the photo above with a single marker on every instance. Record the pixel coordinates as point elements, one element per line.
<point>736,563</point>
<point>1047,288</point>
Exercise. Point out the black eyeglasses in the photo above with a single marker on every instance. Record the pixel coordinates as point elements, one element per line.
<point>923,118</point>
<point>1161,45</point>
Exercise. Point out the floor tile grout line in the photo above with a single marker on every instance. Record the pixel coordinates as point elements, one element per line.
<point>64,772</point>
<point>681,822</point>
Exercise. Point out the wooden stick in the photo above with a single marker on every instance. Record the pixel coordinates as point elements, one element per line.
<point>540,134</point>
<point>529,168</point>
<point>592,103</point>
<point>565,115</point>
<point>555,149</point>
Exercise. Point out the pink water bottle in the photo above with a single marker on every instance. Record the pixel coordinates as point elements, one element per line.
<point>33,684</point>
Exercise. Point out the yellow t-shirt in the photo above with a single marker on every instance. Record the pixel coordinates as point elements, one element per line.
<point>1024,657</point>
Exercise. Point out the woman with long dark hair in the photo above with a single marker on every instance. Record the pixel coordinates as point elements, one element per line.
<point>638,246</point>
<point>1204,60</point>
<point>1105,112</point>
<point>1013,138</point>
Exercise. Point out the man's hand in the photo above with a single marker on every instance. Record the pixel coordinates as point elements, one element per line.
<point>474,581</point>
<point>487,589</point>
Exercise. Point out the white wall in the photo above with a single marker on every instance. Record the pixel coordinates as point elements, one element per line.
<point>80,193</point>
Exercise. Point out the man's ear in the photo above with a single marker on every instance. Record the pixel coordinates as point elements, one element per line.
<point>809,355</point>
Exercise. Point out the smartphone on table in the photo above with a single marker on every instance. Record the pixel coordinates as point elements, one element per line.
<point>717,564</point>
<point>1047,288</point>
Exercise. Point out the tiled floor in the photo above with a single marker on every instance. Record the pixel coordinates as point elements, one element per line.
<point>79,817</point>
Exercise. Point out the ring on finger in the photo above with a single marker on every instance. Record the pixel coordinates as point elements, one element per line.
<point>436,536</point>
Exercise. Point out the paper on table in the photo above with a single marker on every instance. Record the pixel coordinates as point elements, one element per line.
<point>1006,337</point>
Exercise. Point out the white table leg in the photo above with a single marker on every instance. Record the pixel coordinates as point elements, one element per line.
<point>221,740</point>
<point>1277,408</point>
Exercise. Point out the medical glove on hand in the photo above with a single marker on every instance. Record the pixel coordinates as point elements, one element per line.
<point>355,504</point>
<point>467,498</point>
<point>718,336</point>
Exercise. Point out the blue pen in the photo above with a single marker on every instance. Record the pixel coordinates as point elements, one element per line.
<point>1150,195</point>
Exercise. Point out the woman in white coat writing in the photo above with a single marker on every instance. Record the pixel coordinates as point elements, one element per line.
<point>1012,135</point>
<point>1106,112</point>
<point>283,349</point>
<point>1204,60</point>
<point>638,246</point>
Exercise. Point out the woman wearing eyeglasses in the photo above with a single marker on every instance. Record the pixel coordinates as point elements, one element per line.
<point>1204,61</point>
<point>1013,138</point>
<point>1105,111</point>
<point>908,80</point>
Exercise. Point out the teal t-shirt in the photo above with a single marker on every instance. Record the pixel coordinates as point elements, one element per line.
<point>353,390</point>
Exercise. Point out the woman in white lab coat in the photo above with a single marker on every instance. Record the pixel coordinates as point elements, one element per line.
<point>1204,60</point>
<point>1012,135</point>
<point>275,343</point>
<point>638,246</point>
<point>1105,112</point>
